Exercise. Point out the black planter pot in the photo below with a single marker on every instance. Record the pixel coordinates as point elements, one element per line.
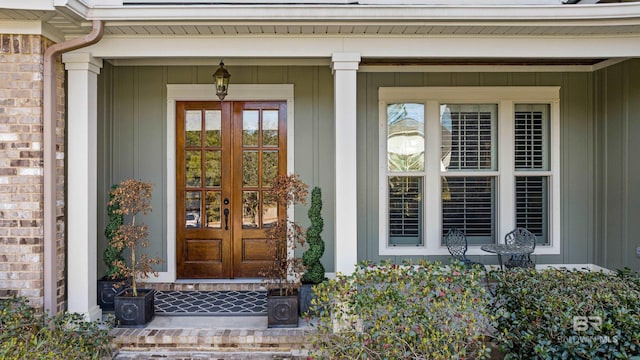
<point>107,290</point>
<point>306,295</point>
<point>133,311</point>
<point>282,311</point>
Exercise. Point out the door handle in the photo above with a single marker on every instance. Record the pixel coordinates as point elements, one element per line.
<point>226,219</point>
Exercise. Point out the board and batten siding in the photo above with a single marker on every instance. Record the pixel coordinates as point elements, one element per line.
<point>618,165</point>
<point>600,177</point>
<point>132,135</point>
<point>576,156</point>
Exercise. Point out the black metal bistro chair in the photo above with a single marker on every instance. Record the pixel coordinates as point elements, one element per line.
<point>456,242</point>
<point>525,239</point>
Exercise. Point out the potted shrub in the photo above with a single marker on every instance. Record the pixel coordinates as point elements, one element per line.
<point>314,273</point>
<point>283,275</point>
<point>109,284</point>
<point>133,306</point>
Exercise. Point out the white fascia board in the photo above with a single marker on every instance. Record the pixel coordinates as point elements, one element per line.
<point>26,27</point>
<point>386,12</point>
<point>28,4</point>
<point>30,27</point>
<point>251,46</point>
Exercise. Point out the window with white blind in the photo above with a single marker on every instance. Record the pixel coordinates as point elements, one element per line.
<point>480,159</point>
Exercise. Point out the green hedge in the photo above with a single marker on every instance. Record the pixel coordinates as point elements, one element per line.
<point>561,314</point>
<point>27,334</point>
<point>408,311</point>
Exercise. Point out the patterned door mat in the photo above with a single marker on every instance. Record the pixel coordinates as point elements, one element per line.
<point>211,303</point>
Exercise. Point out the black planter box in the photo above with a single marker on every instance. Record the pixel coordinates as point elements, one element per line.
<point>133,311</point>
<point>107,290</point>
<point>306,296</point>
<point>282,311</point>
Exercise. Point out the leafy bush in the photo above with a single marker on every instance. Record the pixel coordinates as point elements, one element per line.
<point>386,311</point>
<point>561,314</point>
<point>26,334</point>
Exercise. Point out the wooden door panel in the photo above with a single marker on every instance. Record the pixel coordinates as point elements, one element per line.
<point>202,182</point>
<point>227,153</point>
<point>263,152</point>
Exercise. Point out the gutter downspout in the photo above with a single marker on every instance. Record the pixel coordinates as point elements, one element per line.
<point>49,146</point>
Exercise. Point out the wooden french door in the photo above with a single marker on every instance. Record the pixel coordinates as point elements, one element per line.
<point>227,153</point>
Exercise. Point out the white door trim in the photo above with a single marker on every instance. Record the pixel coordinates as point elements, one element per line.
<point>206,92</point>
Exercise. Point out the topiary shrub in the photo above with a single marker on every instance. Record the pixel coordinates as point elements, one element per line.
<point>27,334</point>
<point>561,314</point>
<point>311,257</point>
<point>387,311</point>
<point>111,254</point>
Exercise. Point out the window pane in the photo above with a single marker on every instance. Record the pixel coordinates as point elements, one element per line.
<point>192,206</point>
<point>405,210</point>
<point>269,167</point>
<point>468,204</point>
<point>468,137</point>
<point>250,127</point>
<point>270,128</point>
<point>250,214</point>
<point>405,137</point>
<point>193,127</point>
<point>193,171</point>
<point>250,168</point>
<point>212,207</point>
<point>213,168</point>
<point>269,209</point>
<point>531,137</point>
<point>532,206</point>
<point>213,126</point>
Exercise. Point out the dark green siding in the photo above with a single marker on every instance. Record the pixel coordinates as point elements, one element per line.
<point>618,165</point>
<point>600,125</point>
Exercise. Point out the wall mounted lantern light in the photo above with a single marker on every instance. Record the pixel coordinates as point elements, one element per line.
<point>221,77</point>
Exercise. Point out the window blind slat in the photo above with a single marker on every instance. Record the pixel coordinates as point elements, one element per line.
<point>468,204</point>
<point>405,210</point>
<point>532,205</point>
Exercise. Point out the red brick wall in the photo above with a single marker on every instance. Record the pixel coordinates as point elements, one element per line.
<point>21,169</point>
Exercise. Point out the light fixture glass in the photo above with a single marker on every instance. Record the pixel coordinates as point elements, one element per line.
<point>221,77</point>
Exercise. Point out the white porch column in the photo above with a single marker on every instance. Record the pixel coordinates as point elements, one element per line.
<point>345,67</point>
<point>82,155</point>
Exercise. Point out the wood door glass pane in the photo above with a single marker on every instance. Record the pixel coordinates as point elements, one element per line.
<point>193,128</point>
<point>270,128</point>
<point>250,168</point>
<point>269,209</point>
<point>213,128</point>
<point>193,171</point>
<point>269,167</point>
<point>213,168</point>
<point>250,209</point>
<point>192,206</point>
<point>212,209</point>
<point>250,127</point>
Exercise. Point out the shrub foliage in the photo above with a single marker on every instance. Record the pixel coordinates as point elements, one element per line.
<point>561,314</point>
<point>26,334</point>
<point>387,311</point>
<point>311,257</point>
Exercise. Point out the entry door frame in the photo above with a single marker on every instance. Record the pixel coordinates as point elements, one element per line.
<point>206,92</point>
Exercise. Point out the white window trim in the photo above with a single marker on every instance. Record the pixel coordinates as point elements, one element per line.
<point>206,92</point>
<point>506,97</point>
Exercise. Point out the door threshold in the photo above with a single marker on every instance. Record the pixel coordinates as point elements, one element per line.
<point>220,281</point>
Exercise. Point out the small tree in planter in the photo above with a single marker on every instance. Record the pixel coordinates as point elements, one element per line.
<point>311,257</point>
<point>282,277</point>
<point>133,198</point>
<point>107,286</point>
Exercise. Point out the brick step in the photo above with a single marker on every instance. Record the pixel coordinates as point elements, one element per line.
<point>244,340</point>
<point>209,355</point>
<point>208,285</point>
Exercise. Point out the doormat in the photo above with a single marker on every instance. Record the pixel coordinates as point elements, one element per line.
<point>211,303</point>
